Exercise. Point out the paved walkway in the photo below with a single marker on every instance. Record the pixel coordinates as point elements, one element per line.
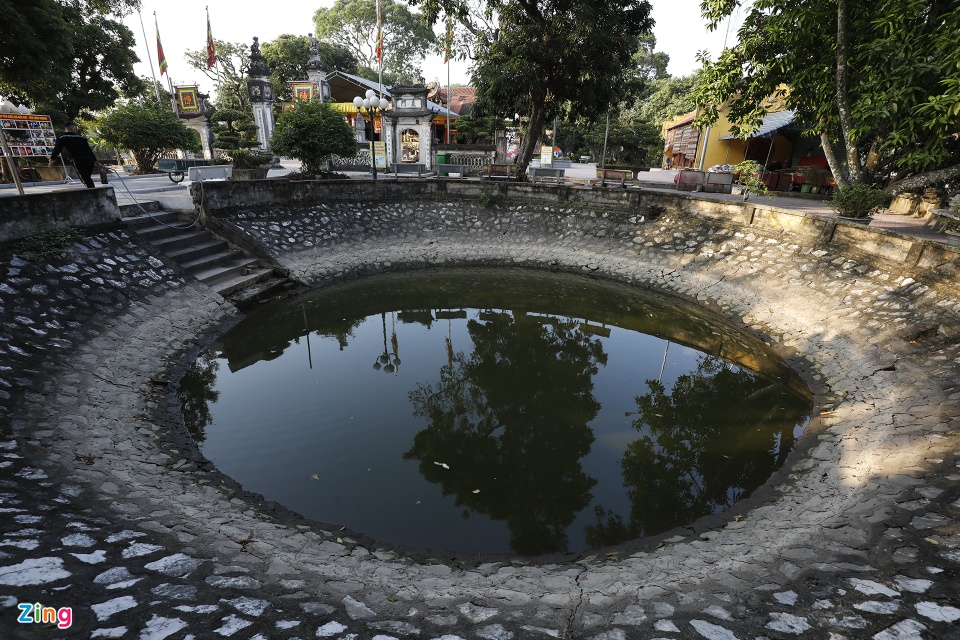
<point>131,189</point>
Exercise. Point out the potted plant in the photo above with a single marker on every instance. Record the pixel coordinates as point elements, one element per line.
<point>747,175</point>
<point>814,177</point>
<point>248,165</point>
<point>857,202</point>
<point>235,136</point>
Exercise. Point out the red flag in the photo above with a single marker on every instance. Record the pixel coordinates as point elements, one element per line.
<point>379,35</point>
<point>162,58</point>
<point>211,47</point>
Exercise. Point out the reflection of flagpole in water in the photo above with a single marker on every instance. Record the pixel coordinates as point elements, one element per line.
<point>663,366</point>
<point>307,329</point>
<point>450,343</point>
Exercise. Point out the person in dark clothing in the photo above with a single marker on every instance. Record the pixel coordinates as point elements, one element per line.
<point>80,151</point>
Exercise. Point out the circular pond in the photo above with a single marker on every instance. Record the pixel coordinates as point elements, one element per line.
<point>494,410</point>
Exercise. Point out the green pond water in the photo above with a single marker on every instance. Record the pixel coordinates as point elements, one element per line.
<point>494,410</point>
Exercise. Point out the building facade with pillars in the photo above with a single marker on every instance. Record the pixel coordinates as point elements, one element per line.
<point>260,92</point>
<point>409,126</point>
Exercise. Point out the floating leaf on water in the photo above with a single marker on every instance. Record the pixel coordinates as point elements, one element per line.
<point>442,464</point>
<point>931,540</point>
<point>476,490</point>
<point>315,477</point>
<point>339,540</point>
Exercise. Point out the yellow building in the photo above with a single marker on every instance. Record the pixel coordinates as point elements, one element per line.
<point>776,144</point>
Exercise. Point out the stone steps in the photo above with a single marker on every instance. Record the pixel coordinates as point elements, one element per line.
<point>209,258</point>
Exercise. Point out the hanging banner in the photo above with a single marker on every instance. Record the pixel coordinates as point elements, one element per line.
<point>546,156</point>
<point>28,135</point>
<point>187,99</point>
<point>379,149</point>
<point>303,91</point>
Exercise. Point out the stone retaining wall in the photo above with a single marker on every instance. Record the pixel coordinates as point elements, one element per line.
<point>870,321</point>
<point>876,245</point>
<point>25,214</point>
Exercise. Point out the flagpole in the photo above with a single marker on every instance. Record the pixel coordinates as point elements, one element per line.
<point>448,101</point>
<point>380,50</point>
<point>212,52</point>
<point>156,87</point>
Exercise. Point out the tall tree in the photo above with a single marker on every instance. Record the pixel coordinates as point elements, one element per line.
<point>146,130</point>
<point>65,57</point>
<point>548,54</point>
<point>882,82</point>
<point>353,24</point>
<point>287,57</point>
<point>233,61</point>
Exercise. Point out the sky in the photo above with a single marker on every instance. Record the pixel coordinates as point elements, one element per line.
<point>679,30</point>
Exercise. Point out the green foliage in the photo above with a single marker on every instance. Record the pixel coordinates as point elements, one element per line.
<point>233,63</point>
<point>903,87</point>
<point>312,132</point>
<point>243,159</point>
<point>48,243</point>
<point>146,131</point>
<point>234,130</point>
<point>546,57</point>
<point>287,57</point>
<point>749,178</point>
<point>857,200</point>
<point>66,57</point>
<point>351,24</point>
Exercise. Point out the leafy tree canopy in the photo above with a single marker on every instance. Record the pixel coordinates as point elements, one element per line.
<point>146,131</point>
<point>352,24</point>
<point>879,77</point>
<point>287,57</point>
<point>311,132</point>
<point>547,54</point>
<point>65,57</point>
<point>233,63</point>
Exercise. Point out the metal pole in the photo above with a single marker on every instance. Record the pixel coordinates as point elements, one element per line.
<point>153,74</point>
<point>765,162</point>
<point>372,112</point>
<point>606,133</point>
<point>554,135</point>
<point>448,101</point>
<point>14,171</point>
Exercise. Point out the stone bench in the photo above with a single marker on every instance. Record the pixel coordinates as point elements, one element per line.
<point>615,175</point>
<point>501,172</point>
<point>444,170</point>
<point>408,168</point>
<point>546,172</point>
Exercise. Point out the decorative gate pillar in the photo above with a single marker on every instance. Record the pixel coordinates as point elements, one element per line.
<point>260,92</point>
<point>317,71</point>
<point>409,115</point>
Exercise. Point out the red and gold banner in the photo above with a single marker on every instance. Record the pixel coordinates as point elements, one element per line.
<point>187,99</point>
<point>303,91</point>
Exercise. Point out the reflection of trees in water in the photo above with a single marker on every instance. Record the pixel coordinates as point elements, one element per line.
<point>196,394</point>
<point>718,435</point>
<point>339,330</point>
<point>510,422</point>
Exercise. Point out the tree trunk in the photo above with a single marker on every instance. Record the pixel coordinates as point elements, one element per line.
<point>921,180</point>
<point>832,161</point>
<point>843,94</point>
<point>529,144</point>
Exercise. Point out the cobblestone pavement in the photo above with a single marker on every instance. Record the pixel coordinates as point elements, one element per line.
<point>109,509</point>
